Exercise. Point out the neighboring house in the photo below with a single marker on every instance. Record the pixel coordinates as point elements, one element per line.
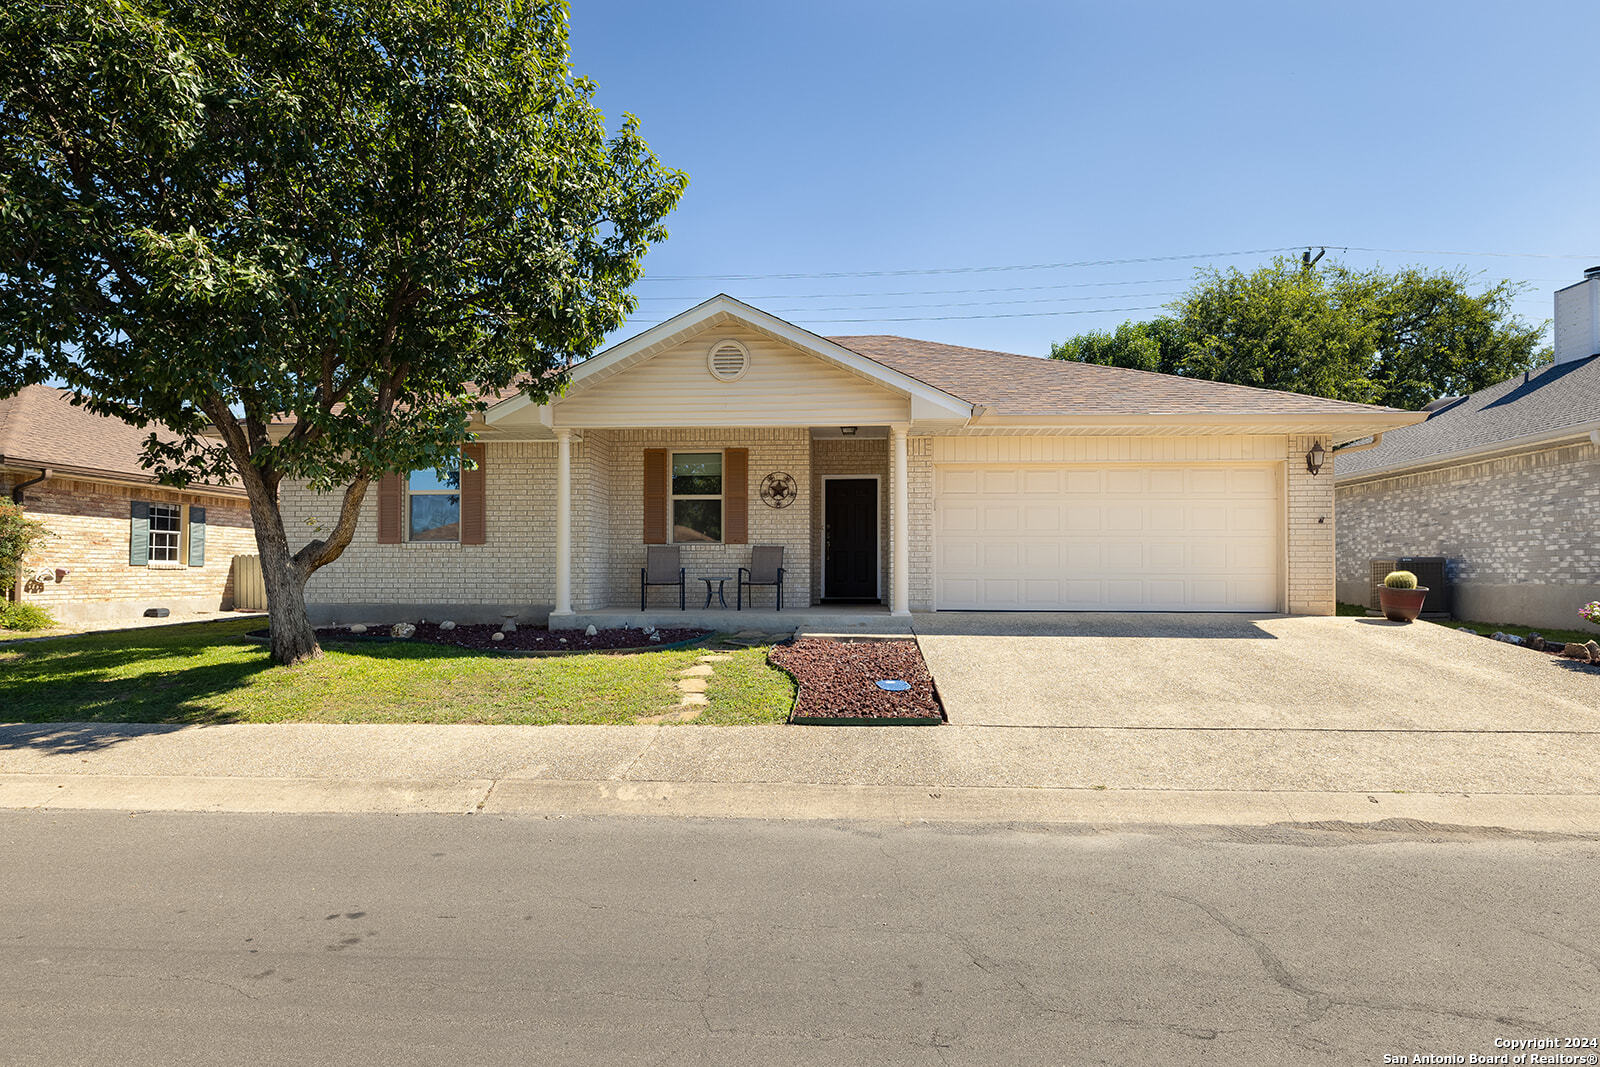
<point>919,475</point>
<point>122,543</point>
<point>1505,484</point>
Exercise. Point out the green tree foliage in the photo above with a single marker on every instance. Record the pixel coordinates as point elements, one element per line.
<point>18,536</point>
<point>1401,339</point>
<point>309,236</point>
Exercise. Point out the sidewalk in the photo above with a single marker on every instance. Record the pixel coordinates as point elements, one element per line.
<point>1518,781</point>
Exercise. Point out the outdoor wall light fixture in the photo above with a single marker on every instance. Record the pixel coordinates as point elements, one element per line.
<point>848,431</point>
<point>1314,459</point>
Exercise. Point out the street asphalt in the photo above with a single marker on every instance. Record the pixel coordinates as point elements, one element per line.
<point>211,938</point>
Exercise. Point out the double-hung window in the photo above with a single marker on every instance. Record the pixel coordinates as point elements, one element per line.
<point>433,505</point>
<point>166,529</point>
<point>696,497</point>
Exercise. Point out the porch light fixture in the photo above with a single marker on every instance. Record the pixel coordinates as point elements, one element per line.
<point>848,431</point>
<point>1314,459</point>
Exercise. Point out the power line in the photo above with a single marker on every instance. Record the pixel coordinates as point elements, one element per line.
<point>936,292</point>
<point>943,318</point>
<point>963,270</point>
<point>1436,252</point>
<point>970,303</point>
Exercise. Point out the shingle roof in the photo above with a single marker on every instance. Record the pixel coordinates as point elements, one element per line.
<point>1012,384</point>
<point>1540,402</point>
<point>41,427</point>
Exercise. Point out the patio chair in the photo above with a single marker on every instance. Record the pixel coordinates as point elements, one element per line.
<point>661,567</point>
<point>766,568</point>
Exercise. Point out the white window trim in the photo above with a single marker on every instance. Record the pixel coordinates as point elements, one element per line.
<point>673,498</point>
<point>178,554</point>
<point>405,513</point>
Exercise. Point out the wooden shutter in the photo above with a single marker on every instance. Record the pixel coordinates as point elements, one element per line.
<point>736,496</point>
<point>139,534</point>
<point>657,473</point>
<point>474,522</point>
<point>390,502</point>
<point>197,537</point>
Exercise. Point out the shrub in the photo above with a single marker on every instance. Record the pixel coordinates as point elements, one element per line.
<point>1400,580</point>
<point>18,535</point>
<point>25,617</point>
<point>1591,612</point>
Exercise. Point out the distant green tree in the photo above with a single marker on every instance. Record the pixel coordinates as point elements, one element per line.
<point>1400,339</point>
<point>321,229</point>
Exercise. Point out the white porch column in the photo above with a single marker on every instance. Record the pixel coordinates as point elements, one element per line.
<point>899,523</point>
<point>563,521</point>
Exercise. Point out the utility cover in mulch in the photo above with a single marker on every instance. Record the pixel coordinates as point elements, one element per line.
<point>526,638</point>
<point>838,681</point>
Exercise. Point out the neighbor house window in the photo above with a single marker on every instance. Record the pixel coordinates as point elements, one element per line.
<point>696,496</point>
<point>433,505</point>
<point>166,527</point>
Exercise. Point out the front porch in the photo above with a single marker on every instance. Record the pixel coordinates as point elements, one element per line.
<point>706,495</point>
<point>854,619</point>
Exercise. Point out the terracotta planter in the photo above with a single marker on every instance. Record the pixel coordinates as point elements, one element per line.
<point>1402,605</point>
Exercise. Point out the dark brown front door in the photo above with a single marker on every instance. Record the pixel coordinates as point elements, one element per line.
<point>850,539</point>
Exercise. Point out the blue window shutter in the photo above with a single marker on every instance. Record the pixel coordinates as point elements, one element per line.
<point>197,537</point>
<point>139,534</point>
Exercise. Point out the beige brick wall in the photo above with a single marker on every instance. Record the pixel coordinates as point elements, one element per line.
<point>1309,501</point>
<point>92,525</point>
<point>1528,518</point>
<point>919,488</point>
<point>864,456</point>
<point>787,450</point>
<point>515,567</point>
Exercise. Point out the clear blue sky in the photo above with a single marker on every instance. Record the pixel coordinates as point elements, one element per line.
<point>887,136</point>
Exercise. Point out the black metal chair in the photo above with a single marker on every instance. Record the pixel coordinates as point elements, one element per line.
<point>766,568</point>
<point>661,567</point>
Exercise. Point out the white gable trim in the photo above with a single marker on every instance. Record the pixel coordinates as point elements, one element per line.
<point>927,401</point>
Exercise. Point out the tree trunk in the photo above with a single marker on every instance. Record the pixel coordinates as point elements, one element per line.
<point>293,638</point>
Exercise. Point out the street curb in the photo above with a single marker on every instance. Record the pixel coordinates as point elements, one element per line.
<point>1577,814</point>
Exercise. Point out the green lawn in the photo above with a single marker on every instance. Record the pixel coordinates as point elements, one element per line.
<point>209,673</point>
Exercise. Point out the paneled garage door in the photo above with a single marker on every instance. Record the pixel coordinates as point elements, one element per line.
<point>1124,538</point>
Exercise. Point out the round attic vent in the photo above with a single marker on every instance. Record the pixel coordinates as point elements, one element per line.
<point>728,360</point>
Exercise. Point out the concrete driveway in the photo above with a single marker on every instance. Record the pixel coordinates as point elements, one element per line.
<point>1246,672</point>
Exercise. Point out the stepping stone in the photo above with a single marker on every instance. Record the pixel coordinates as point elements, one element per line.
<point>716,657</point>
<point>693,700</point>
<point>699,670</point>
<point>691,685</point>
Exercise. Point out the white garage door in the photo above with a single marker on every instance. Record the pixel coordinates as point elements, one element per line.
<point>1167,538</point>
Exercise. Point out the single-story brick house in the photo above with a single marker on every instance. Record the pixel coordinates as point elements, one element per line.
<point>1505,484</point>
<point>123,544</point>
<point>921,476</point>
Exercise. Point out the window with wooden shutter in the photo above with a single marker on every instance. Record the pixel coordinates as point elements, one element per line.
<point>474,519</point>
<point>197,537</point>
<point>391,500</point>
<point>139,534</point>
<point>736,496</point>
<point>655,496</point>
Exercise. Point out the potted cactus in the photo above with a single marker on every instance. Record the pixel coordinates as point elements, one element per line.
<point>1401,597</point>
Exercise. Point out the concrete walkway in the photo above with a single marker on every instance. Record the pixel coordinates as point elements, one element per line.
<point>952,773</point>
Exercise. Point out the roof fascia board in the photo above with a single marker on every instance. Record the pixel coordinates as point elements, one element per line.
<point>1342,420</point>
<point>92,474</point>
<point>1448,459</point>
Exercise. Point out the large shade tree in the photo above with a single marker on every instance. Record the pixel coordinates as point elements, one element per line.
<point>1399,338</point>
<point>308,236</point>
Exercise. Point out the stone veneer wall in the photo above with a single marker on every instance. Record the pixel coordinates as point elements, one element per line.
<point>91,523</point>
<point>1519,531</point>
<point>514,570</point>
<point>864,456</point>
<point>787,450</point>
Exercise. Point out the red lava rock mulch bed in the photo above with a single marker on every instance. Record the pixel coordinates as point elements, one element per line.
<point>526,638</point>
<point>837,681</point>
